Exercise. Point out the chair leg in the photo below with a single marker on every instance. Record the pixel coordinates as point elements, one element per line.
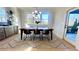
<point>41,37</point>
<point>25,37</point>
<point>48,38</point>
<point>33,37</point>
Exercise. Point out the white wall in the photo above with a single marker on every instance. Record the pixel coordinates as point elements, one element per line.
<point>16,13</point>
<point>59,20</point>
<point>30,10</point>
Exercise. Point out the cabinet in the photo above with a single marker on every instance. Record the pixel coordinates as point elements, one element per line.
<point>15,29</point>
<point>9,31</point>
<point>2,33</point>
<point>6,31</point>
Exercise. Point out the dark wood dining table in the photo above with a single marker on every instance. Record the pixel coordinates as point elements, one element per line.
<point>32,29</point>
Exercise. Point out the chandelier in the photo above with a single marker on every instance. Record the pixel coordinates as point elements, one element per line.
<point>36,14</point>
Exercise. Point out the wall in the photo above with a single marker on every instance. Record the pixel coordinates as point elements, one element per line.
<point>59,20</point>
<point>17,18</point>
<point>28,10</point>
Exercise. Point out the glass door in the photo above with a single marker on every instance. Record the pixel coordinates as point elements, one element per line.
<point>71,26</point>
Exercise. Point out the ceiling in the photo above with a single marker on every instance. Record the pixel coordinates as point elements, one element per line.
<point>35,8</point>
<point>43,9</point>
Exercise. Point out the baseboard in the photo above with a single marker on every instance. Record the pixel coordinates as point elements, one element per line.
<point>57,35</point>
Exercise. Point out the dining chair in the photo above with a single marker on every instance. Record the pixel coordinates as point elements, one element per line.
<point>37,34</point>
<point>46,34</point>
<point>28,33</point>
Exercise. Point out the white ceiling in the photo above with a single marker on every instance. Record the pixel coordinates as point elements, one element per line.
<point>37,8</point>
<point>43,9</point>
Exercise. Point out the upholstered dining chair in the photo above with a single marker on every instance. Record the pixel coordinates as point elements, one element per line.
<point>46,34</point>
<point>28,33</point>
<point>37,34</point>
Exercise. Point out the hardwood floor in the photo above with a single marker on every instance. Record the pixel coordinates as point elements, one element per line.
<point>14,43</point>
<point>35,49</point>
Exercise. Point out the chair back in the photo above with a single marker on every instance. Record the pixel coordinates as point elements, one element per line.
<point>46,31</point>
<point>37,31</point>
<point>27,31</point>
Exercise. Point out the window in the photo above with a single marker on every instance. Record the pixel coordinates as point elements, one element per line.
<point>72,19</point>
<point>43,17</point>
<point>2,15</point>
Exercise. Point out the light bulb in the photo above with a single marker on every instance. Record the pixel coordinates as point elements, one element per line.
<point>32,12</point>
<point>39,12</point>
<point>36,11</point>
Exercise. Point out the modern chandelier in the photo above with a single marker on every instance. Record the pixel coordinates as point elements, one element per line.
<point>36,14</point>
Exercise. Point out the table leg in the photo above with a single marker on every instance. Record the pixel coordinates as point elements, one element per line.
<point>21,34</point>
<point>51,35</point>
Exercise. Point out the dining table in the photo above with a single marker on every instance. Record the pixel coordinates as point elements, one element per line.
<point>32,29</point>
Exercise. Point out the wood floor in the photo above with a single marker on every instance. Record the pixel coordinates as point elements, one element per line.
<point>35,49</point>
<point>14,43</point>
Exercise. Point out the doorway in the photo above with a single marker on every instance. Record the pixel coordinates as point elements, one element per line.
<point>72,25</point>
